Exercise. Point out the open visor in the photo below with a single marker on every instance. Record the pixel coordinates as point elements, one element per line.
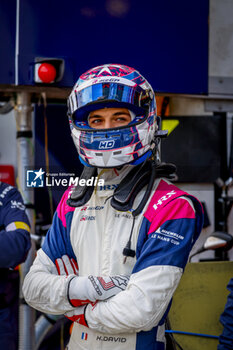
<point>108,95</point>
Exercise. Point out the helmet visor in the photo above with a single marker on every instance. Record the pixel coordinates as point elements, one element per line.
<point>134,98</point>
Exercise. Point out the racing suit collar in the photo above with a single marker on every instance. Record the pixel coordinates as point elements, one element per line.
<point>112,177</point>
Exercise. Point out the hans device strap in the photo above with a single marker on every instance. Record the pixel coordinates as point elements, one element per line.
<point>140,176</point>
<point>124,195</point>
<point>81,194</point>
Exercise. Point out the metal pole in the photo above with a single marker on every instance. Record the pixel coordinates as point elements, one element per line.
<point>25,159</point>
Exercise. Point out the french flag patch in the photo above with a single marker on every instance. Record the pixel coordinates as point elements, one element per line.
<point>84,336</point>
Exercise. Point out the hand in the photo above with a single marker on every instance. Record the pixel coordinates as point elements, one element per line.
<point>77,315</point>
<point>108,286</point>
<point>89,289</point>
<point>66,266</point>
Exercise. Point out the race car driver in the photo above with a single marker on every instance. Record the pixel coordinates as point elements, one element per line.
<point>115,253</point>
<point>14,245</point>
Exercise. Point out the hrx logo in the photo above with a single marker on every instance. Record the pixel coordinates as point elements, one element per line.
<point>106,144</point>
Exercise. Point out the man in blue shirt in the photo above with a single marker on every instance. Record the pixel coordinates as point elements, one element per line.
<point>14,245</point>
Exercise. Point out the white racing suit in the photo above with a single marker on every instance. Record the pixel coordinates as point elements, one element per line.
<point>95,236</point>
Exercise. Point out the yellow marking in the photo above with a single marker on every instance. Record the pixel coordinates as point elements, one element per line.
<point>170,124</point>
<point>22,225</point>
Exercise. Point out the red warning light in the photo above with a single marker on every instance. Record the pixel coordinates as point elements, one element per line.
<point>47,73</point>
<point>47,70</point>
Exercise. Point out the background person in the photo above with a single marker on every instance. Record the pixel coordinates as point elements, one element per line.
<point>115,253</point>
<point>14,245</point>
<point>226,338</point>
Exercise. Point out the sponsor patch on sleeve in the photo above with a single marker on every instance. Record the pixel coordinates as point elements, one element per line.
<point>17,225</point>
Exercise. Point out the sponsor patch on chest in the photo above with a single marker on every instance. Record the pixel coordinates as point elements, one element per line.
<point>97,207</point>
<point>87,218</point>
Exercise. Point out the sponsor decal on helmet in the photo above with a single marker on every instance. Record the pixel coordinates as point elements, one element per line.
<point>106,144</point>
<point>116,86</point>
<point>102,80</point>
<point>118,70</point>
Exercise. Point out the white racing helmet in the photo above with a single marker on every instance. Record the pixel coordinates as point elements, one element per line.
<point>112,86</point>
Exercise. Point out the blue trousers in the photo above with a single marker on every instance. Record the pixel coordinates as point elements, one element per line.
<point>9,327</point>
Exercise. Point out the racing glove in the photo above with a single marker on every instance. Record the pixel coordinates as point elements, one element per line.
<point>85,289</point>
<point>88,289</point>
<point>78,315</point>
<point>66,266</point>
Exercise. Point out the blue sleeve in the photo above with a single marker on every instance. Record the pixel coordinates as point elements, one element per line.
<point>57,241</point>
<point>169,245</point>
<point>168,242</point>
<point>14,235</point>
<point>226,338</point>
